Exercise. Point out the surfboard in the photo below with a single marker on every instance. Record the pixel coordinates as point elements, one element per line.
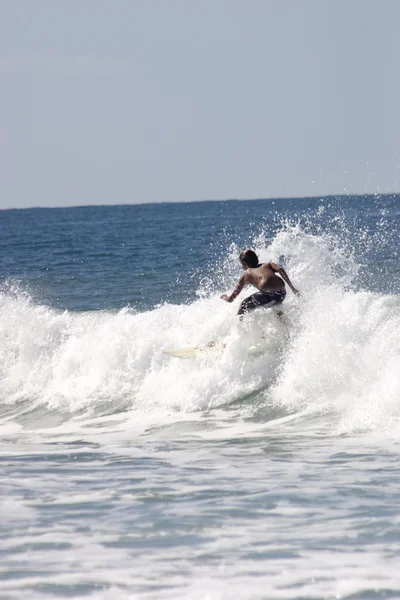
<point>206,351</point>
<point>193,351</point>
<point>186,352</point>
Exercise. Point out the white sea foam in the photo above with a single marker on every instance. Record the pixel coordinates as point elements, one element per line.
<point>336,353</point>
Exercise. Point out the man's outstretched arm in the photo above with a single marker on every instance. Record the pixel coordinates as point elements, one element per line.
<point>284,276</point>
<point>236,291</point>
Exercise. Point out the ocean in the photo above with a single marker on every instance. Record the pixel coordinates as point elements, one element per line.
<point>268,467</point>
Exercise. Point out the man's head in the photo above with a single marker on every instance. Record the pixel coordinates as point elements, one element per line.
<point>248,258</point>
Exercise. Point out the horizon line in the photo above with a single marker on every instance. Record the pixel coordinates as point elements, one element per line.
<point>271,199</point>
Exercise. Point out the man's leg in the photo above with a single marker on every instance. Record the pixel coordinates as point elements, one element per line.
<point>248,304</point>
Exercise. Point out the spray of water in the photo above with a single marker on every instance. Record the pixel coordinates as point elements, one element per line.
<point>336,353</point>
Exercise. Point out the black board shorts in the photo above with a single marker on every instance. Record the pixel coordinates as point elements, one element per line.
<point>267,299</point>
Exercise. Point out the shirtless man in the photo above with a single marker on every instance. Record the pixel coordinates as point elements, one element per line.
<point>264,276</point>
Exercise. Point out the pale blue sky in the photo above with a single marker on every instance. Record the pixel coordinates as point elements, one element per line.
<point>132,101</point>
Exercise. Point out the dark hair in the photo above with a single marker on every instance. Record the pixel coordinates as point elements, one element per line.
<point>249,257</point>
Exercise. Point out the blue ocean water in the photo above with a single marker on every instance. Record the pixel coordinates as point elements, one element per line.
<point>104,257</point>
<point>266,467</point>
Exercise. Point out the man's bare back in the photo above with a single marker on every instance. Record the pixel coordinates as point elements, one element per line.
<point>264,277</point>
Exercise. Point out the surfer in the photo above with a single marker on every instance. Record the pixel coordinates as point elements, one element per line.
<point>268,278</point>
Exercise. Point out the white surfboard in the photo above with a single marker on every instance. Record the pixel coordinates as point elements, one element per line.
<point>186,352</point>
<point>207,351</point>
<point>194,351</point>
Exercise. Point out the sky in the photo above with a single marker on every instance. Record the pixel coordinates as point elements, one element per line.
<point>135,101</point>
